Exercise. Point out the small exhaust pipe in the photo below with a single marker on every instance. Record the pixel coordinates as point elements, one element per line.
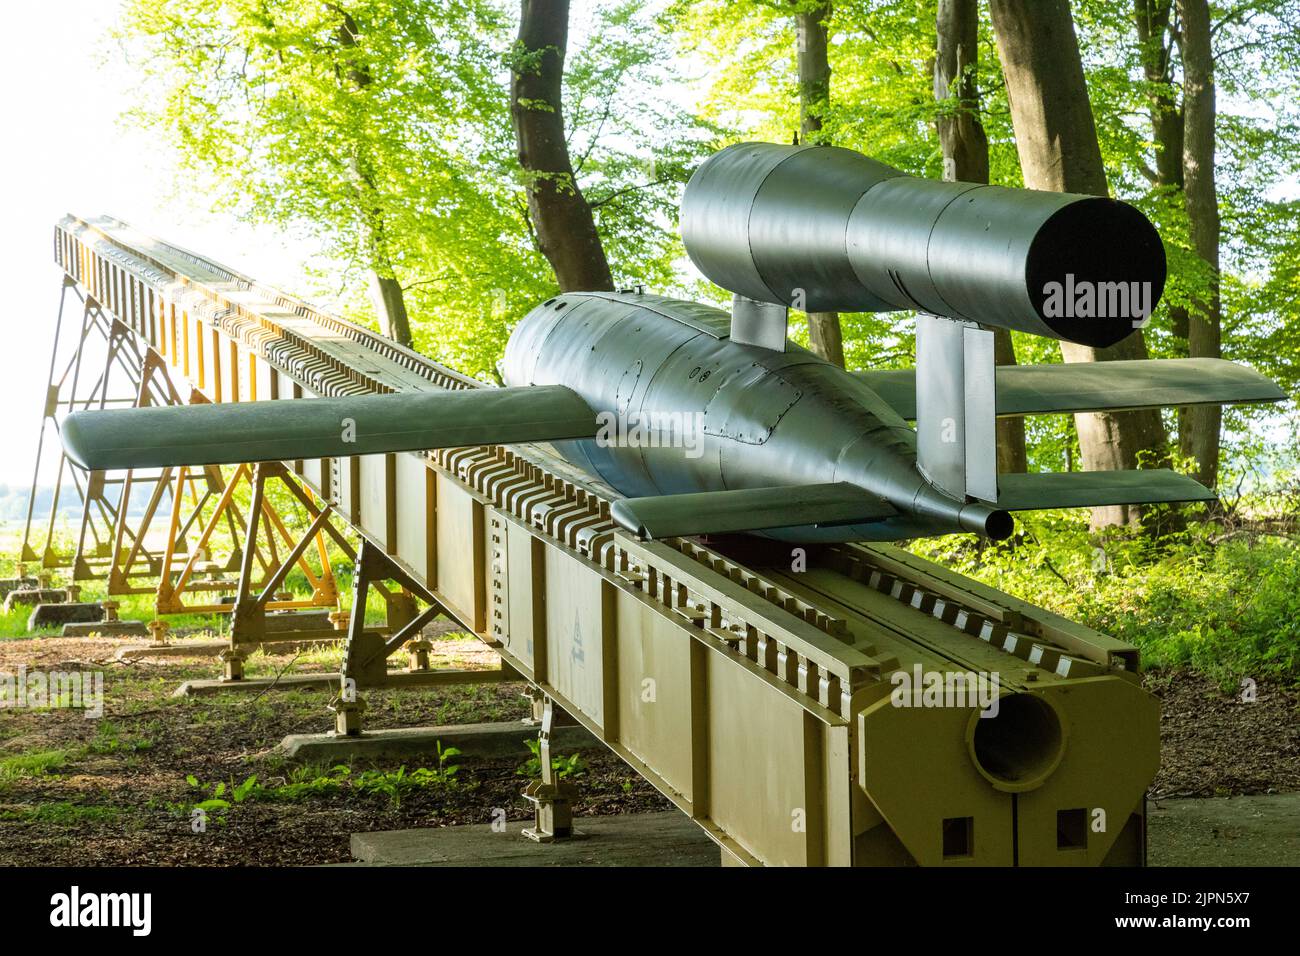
<point>994,523</point>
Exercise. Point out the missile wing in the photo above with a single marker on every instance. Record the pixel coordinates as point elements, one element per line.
<point>323,427</point>
<point>1098,386</point>
<point>1090,489</point>
<point>750,509</point>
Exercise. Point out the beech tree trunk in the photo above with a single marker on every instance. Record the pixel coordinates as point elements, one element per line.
<point>966,159</point>
<point>389,299</point>
<point>1198,434</point>
<point>1155,40</point>
<point>824,333</point>
<point>1196,426</point>
<point>562,219</point>
<point>1056,139</point>
<point>385,289</point>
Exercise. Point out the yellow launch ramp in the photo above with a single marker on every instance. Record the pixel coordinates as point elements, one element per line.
<point>756,697</point>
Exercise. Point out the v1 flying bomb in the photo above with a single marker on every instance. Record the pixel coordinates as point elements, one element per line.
<point>709,421</point>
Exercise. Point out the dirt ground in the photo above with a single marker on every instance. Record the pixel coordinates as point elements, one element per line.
<point>1214,744</point>
<point>121,789</point>
<point>114,790</point>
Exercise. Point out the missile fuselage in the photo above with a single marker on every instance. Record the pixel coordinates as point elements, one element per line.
<point>689,410</point>
<point>820,228</point>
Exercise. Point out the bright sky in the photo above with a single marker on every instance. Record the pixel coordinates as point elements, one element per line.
<point>65,89</point>
<point>67,85</point>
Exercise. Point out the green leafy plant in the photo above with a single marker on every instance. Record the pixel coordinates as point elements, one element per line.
<point>570,766</point>
<point>307,782</point>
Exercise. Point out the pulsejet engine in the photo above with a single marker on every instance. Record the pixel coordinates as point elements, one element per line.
<point>710,421</point>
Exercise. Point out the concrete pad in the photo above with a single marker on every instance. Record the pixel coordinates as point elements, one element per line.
<point>65,612</point>
<point>27,597</point>
<point>1261,830</point>
<point>278,621</point>
<point>640,839</point>
<point>106,629</point>
<point>490,740</point>
<point>172,649</point>
<point>206,688</point>
<point>17,584</point>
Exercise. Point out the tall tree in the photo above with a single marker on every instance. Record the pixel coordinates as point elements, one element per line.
<point>1199,431</point>
<point>966,159</point>
<point>561,216</point>
<point>824,334</point>
<point>341,122</point>
<point>386,289</point>
<point>1158,36</point>
<point>1056,138</point>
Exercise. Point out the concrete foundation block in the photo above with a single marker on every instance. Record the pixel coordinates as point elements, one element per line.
<point>174,649</point>
<point>107,629</point>
<point>27,597</point>
<point>481,741</point>
<point>202,688</point>
<point>640,839</point>
<point>52,615</point>
<point>17,584</point>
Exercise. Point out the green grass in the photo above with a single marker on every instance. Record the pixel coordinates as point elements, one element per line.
<point>38,763</point>
<point>14,624</point>
<point>110,739</point>
<point>1226,607</point>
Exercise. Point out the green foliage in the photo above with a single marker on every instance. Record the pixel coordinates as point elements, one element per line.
<point>37,763</point>
<point>1224,603</point>
<point>398,783</point>
<point>307,782</point>
<point>570,766</point>
<point>109,739</point>
<point>394,151</point>
<point>1258,130</point>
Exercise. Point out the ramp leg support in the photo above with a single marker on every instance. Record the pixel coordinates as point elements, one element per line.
<point>551,797</point>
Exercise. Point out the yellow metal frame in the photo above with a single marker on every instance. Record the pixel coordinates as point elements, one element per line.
<point>264,531</point>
